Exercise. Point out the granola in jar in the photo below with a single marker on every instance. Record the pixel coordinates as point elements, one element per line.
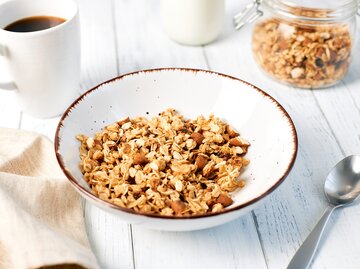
<point>306,44</point>
<point>300,55</point>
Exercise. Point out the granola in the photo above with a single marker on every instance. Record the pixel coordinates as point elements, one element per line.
<point>166,165</point>
<point>302,55</point>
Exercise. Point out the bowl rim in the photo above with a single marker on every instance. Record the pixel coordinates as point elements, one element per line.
<point>96,199</point>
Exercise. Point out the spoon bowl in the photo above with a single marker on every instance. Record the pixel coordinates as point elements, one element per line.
<point>342,187</point>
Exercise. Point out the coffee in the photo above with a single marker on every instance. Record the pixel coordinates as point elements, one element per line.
<point>32,24</point>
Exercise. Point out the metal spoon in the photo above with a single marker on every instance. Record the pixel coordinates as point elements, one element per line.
<point>342,187</point>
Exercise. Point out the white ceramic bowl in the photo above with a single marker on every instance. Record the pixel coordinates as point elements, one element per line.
<point>259,118</point>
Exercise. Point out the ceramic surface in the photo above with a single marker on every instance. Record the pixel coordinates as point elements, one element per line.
<point>258,117</point>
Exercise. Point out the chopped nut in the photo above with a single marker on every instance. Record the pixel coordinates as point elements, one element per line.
<point>237,142</point>
<point>140,159</point>
<point>126,125</point>
<point>161,164</point>
<point>231,132</point>
<point>197,137</point>
<point>98,155</point>
<point>124,120</point>
<point>238,150</point>
<point>208,169</point>
<point>178,207</point>
<point>201,161</point>
<point>224,200</point>
<point>113,127</point>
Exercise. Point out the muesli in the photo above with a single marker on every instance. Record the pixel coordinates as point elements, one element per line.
<point>302,55</point>
<point>166,165</point>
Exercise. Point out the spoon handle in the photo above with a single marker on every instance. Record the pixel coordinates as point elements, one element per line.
<point>306,252</point>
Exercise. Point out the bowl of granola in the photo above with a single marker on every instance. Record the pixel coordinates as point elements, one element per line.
<point>176,149</point>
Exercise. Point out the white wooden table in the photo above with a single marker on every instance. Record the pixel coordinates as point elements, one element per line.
<point>120,36</point>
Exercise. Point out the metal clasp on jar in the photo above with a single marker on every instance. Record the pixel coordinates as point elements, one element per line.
<point>248,15</point>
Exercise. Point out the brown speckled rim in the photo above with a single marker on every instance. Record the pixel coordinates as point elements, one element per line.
<point>91,196</point>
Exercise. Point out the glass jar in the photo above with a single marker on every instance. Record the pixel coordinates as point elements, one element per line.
<point>306,44</point>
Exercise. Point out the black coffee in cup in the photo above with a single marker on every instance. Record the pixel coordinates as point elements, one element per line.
<point>32,24</point>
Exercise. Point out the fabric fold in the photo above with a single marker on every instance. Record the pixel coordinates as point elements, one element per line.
<point>41,215</point>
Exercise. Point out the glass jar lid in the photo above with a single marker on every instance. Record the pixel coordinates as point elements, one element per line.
<point>305,10</point>
<point>329,10</point>
<point>311,4</point>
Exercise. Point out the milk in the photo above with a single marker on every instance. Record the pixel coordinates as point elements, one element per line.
<point>192,22</point>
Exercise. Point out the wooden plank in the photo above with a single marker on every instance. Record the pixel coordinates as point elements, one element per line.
<point>141,42</point>
<point>219,247</point>
<point>290,213</point>
<point>98,51</point>
<point>141,45</point>
<point>339,107</point>
<point>110,238</point>
<point>351,81</point>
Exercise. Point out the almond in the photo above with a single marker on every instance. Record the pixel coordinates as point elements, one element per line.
<point>235,142</point>
<point>178,207</point>
<point>123,120</point>
<point>231,132</point>
<point>197,137</point>
<point>140,159</point>
<point>224,200</point>
<point>200,162</point>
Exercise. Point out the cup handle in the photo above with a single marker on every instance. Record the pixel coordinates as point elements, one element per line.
<point>6,85</point>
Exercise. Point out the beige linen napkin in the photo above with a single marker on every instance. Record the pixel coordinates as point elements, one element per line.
<point>41,215</point>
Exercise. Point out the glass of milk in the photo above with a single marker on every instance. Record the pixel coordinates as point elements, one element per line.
<point>192,22</point>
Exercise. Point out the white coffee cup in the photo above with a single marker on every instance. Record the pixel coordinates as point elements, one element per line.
<point>45,64</point>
